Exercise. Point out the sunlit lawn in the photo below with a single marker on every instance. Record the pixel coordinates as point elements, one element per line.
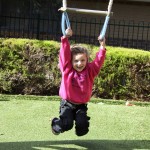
<point>24,125</point>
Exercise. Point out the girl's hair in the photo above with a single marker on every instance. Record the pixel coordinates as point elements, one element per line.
<point>77,48</point>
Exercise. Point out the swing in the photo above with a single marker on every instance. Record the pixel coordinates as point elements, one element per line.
<point>66,23</point>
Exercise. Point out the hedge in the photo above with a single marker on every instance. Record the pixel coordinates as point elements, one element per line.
<point>30,67</point>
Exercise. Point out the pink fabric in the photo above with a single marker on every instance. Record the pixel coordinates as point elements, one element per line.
<point>76,86</point>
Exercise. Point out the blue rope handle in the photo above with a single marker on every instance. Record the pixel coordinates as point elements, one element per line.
<point>65,22</point>
<point>103,31</point>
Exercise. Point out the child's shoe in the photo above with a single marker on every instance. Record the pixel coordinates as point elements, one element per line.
<point>53,130</point>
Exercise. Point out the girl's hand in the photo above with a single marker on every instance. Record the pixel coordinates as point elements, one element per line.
<point>68,32</point>
<point>102,42</point>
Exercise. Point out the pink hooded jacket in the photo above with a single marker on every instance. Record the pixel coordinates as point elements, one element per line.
<point>76,87</point>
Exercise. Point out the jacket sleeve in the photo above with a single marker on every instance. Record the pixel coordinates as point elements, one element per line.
<point>97,63</point>
<point>64,55</point>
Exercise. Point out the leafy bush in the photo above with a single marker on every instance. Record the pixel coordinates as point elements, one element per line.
<point>30,67</point>
<point>125,75</point>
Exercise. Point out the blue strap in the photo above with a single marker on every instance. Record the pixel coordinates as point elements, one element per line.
<point>65,22</point>
<point>103,31</point>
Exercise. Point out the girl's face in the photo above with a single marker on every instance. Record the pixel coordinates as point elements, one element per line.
<point>79,61</point>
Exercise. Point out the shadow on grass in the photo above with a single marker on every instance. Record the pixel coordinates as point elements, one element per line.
<point>78,144</point>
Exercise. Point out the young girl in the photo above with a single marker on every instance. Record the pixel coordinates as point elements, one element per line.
<point>76,86</point>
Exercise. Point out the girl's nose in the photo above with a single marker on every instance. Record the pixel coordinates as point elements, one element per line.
<point>79,63</point>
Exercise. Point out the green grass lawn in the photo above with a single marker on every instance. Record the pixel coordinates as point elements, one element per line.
<point>24,125</point>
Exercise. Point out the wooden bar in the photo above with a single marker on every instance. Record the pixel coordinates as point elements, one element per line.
<point>87,11</point>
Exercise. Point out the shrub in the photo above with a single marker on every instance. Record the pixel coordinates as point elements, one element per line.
<point>30,67</point>
<point>125,75</point>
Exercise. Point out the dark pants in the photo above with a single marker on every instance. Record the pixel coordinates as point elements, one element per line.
<point>68,114</point>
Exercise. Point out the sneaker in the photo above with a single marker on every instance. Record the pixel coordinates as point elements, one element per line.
<point>52,124</point>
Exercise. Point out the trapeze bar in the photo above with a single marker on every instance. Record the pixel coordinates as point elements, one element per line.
<point>87,11</point>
